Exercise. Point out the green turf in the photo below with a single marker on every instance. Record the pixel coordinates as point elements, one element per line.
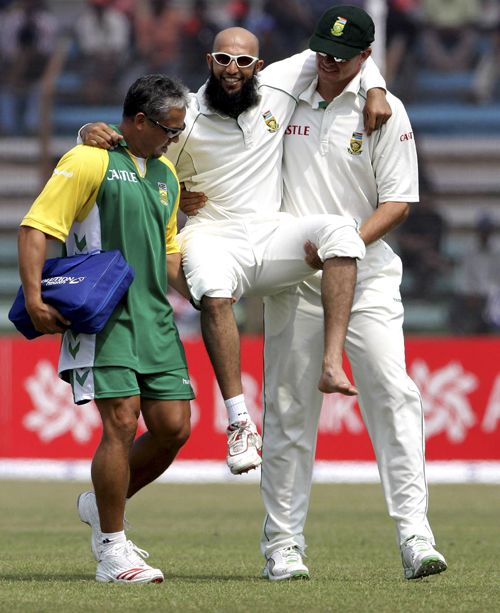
<point>205,539</point>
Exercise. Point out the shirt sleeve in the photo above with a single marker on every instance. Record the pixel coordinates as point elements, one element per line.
<point>171,230</point>
<point>79,139</point>
<point>70,193</point>
<point>292,74</point>
<point>371,76</point>
<point>394,157</point>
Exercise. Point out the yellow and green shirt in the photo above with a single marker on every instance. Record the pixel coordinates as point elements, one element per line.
<point>99,199</point>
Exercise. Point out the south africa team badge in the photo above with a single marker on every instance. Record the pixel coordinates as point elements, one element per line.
<point>271,123</point>
<point>162,190</point>
<point>338,27</point>
<point>356,144</point>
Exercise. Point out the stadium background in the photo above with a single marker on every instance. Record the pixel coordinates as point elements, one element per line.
<point>53,81</point>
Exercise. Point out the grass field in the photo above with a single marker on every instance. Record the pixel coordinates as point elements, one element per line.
<point>205,539</point>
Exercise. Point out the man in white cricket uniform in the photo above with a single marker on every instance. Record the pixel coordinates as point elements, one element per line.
<point>239,243</point>
<point>332,166</point>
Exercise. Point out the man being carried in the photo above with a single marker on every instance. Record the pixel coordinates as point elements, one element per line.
<point>239,243</point>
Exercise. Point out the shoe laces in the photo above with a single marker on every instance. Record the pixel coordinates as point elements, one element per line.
<point>291,555</point>
<point>418,543</point>
<point>233,434</point>
<point>135,554</point>
<point>239,426</point>
<point>236,440</point>
<point>133,551</point>
<point>239,430</point>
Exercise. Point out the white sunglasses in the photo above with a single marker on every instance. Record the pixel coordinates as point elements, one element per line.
<point>242,61</point>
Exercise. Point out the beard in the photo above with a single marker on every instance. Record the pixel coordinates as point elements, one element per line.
<point>232,105</point>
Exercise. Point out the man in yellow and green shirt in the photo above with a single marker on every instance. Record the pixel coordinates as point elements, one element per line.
<point>123,199</point>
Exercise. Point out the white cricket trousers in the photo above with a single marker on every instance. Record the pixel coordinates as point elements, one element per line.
<point>389,400</point>
<point>224,259</point>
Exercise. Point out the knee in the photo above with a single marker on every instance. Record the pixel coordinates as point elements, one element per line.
<point>120,422</point>
<point>180,429</point>
<point>175,433</point>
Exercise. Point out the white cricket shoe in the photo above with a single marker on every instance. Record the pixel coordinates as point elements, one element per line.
<point>243,446</point>
<point>124,563</point>
<point>87,510</point>
<point>420,559</point>
<point>285,563</point>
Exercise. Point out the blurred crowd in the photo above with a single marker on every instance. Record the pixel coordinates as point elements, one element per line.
<point>108,43</point>
<point>467,281</point>
<point>113,41</point>
<point>445,36</point>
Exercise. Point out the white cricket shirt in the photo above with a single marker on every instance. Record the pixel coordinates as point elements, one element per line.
<point>330,165</point>
<point>237,162</point>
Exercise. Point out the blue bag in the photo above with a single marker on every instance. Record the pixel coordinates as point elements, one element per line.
<point>84,288</point>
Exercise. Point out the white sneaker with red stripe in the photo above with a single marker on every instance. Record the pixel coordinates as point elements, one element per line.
<point>243,446</point>
<point>124,563</point>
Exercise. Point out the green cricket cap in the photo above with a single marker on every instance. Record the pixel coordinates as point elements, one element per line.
<point>343,31</point>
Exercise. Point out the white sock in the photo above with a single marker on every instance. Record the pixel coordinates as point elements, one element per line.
<point>111,538</point>
<point>236,409</point>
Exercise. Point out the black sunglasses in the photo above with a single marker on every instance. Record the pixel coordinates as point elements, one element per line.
<point>332,58</point>
<point>170,132</point>
<point>242,61</point>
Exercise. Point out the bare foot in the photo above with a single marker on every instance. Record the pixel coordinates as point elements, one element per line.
<point>335,381</point>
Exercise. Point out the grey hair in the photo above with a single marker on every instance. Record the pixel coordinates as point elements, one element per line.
<point>155,95</point>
